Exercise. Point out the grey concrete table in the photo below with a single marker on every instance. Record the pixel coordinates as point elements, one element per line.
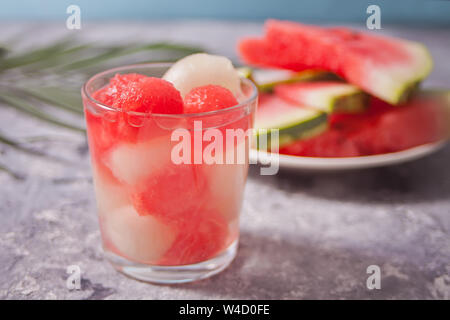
<point>304,236</point>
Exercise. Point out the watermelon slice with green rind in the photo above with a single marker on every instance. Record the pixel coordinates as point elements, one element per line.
<point>383,128</point>
<point>267,79</point>
<point>293,121</point>
<point>386,67</point>
<point>327,96</point>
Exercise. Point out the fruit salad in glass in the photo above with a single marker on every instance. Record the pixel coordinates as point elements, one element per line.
<point>170,163</point>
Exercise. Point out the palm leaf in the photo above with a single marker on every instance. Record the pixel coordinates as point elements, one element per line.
<point>23,105</point>
<point>61,97</point>
<point>54,60</point>
<point>116,52</point>
<point>20,147</point>
<point>53,75</point>
<point>35,55</point>
<point>12,173</point>
<point>3,52</point>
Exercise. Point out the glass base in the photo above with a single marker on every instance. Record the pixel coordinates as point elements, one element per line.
<point>173,274</point>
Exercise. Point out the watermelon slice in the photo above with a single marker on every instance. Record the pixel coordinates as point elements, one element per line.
<point>388,68</point>
<point>267,79</point>
<point>382,129</point>
<point>327,96</point>
<point>293,121</point>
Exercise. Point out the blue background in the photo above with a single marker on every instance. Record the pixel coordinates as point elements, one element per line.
<point>423,12</point>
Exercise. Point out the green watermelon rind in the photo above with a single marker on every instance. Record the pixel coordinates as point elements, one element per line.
<point>303,76</point>
<point>349,103</point>
<point>353,101</point>
<point>245,72</point>
<point>306,128</point>
<point>403,93</point>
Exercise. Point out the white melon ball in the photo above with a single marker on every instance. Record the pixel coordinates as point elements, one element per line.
<point>140,238</point>
<point>226,184</point>
<point>132,162</point>
<point>202,69</point>
<point>109,194</point>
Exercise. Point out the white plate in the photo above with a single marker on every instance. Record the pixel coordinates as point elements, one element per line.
<point>350,163</point>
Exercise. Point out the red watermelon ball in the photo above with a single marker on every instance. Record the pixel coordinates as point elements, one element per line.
<point>138,93</point>
<point>208,98</point>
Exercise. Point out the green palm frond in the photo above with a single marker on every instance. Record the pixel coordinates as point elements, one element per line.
<point>36,55</point>
<point>56,59</point>
<point>52,75</point>
<point>175,51</point>
<point>11,172</point>
<point>3,52</point>
<point>24,106</point>
<point>7,141</point>
<point>69,100</point>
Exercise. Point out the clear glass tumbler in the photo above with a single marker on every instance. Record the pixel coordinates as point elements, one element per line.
<point>169,188</point>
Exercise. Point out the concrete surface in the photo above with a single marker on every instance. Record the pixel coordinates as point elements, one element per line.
<point>304,236</point>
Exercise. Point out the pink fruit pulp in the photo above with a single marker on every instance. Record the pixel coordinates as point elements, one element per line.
<point>381,129</point>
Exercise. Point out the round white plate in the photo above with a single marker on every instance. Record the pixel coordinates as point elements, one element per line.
<point>350,163</point>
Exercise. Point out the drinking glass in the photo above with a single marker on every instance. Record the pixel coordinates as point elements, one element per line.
<point>169,187</point>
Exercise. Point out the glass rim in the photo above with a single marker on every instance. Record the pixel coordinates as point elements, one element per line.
<point>253,96</point>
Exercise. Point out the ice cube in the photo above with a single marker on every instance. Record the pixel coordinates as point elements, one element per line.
<point>140,238</point>
<point>202,69</point>
<point>226,184</point>
<point>109,194</point>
